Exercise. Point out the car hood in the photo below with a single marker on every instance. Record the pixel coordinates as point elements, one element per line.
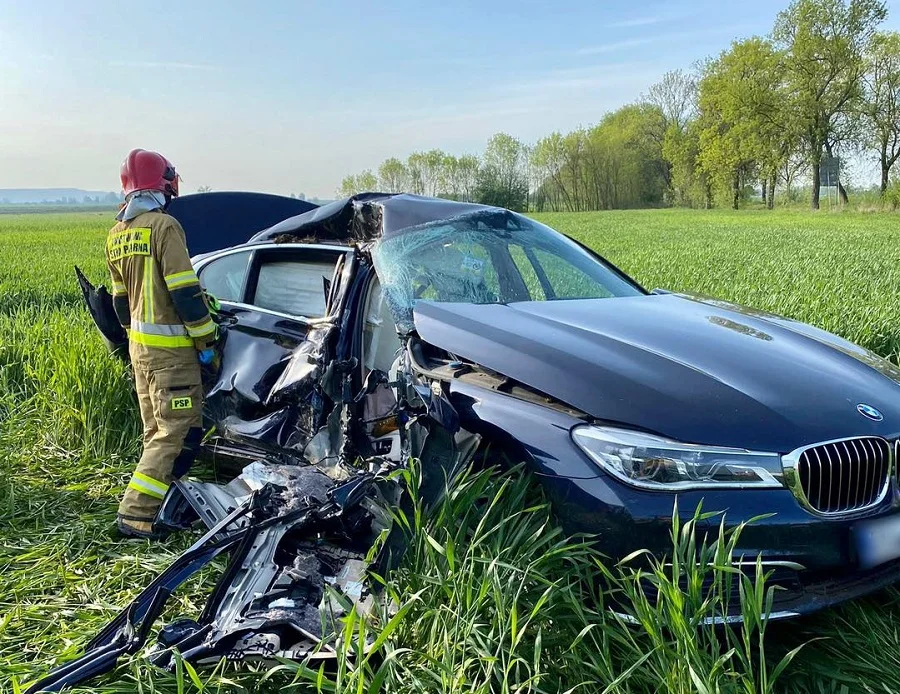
<point>688,367</point>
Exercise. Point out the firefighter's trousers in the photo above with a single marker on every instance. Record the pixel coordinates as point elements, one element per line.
<point>167,381</point>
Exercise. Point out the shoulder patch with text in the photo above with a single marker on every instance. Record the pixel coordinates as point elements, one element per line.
<point>122,244</point>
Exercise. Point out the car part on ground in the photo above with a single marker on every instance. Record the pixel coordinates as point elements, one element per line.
<point>283,587</point>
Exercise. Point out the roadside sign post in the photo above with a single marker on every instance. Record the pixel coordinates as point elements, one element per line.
<point>829,175</point>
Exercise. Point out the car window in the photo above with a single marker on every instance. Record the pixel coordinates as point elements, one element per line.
<point>524,266</point>
<point>224,278</point>
<point>488,257</point>
<point>566,281</point>
<point>458,270</point>
<point>293,287</point>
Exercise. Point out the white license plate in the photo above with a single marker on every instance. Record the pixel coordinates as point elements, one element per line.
<point>877,541</point>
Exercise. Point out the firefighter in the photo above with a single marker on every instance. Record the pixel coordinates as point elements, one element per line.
<point>158,300</point>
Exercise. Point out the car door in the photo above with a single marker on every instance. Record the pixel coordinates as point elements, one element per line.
<point>271,297</point>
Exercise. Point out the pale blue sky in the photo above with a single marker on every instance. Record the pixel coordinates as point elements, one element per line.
<point>289,97</point>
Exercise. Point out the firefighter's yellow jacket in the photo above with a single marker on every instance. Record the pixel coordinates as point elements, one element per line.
<point>156,293</point>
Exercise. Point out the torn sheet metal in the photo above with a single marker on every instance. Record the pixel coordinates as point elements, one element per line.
<point>295,539</point>
<point>365,217</point>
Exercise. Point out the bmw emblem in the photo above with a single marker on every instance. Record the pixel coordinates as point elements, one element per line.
<point>869,411</point>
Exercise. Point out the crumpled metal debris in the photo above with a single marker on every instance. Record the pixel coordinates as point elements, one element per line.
<point>295,541</point>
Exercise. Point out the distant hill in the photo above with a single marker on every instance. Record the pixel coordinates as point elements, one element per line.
<point>57,196</point>
<point>77,196</point>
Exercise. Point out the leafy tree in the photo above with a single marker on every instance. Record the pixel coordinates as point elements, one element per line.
<point>425,170</point>
<point>690,183</point>
<point>621,163</point>
<point>724,151</point>
<point>574,145</point>
<point>448,178</point>
<point>366,181</point>
<point>393,176</point>
<point>746,114</point>
<point>467,167</point>
<point>825,42</point>
<point>548,159</point>
<point>360,183</point>
<point>560,160</point>
<point>880,109</point>
<point>415,164</point>
<point>614,164</point>
<point>458,177</point>
<point>503,179</point>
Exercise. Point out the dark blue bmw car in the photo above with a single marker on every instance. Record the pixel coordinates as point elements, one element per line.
<point>384,327</point>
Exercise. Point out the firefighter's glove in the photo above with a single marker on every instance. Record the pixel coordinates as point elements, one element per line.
<point>212,303</point>
<point>206,356</point>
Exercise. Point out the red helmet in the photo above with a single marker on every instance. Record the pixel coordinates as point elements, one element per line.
<point>145,170</point>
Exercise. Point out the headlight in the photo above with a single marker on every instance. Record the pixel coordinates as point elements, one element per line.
<point>652,462</point>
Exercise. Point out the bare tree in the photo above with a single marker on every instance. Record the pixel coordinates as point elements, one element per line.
<point>676,96</point>
<point>792,167</point>
<point>467,171</point>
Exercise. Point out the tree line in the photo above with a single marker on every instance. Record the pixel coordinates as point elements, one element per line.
<point>768,113</point>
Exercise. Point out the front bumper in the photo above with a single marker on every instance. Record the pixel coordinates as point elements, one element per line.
<point>813,559</point>
<point>810,591</point>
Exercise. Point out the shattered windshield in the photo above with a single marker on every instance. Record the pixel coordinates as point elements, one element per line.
<point>488,258</point>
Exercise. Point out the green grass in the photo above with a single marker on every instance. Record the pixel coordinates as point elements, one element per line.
<point>837,271</point>
<point>491,597</point>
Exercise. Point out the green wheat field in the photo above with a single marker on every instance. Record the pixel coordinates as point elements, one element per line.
<point>491,597</point>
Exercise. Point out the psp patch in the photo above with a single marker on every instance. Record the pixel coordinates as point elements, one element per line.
<point>182,404</point>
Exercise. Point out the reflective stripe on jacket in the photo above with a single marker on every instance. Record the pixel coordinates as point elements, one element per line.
<point>156,293</point>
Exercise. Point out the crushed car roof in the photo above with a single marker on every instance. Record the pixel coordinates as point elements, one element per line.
<point>367,216</point>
